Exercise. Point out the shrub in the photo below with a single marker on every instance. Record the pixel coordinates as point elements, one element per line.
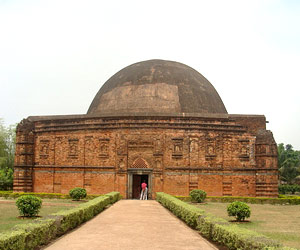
<point>29,205</point>
<point>77,193</point>
<point>216,229</point>
<point>38,232</point>
<point>283,199</point>
<point>14,195</point>
<point>197,195</point>
<point>182,210</point>
<point>239,209</point>
<point>283,189</point>
<point>294,188</point>
<point>31,235</point>
<point>73,217</point>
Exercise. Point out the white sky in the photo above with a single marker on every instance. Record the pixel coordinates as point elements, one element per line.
<point>55,55</point>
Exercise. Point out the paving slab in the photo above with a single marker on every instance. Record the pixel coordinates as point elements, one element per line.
<point>133,224</point>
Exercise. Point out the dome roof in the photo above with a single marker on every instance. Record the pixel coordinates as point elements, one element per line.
<point>157,87</point>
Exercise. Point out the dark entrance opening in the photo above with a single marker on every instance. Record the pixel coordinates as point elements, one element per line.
<point>137,181</point>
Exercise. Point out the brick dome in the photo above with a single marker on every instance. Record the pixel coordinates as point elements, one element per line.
<point>156,87</point>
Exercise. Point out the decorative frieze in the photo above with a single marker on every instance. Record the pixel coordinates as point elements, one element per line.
<point>141,143</point>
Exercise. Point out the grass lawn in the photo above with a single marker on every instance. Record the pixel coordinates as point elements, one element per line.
<point>279,222</point>
<point>9,212</point>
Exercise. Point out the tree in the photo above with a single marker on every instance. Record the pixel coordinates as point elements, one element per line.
<point>288,163</point>
<point>7,154</point>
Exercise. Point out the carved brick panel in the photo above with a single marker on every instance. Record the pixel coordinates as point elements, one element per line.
<point>177,148</point>
<point>104,147</point>
<point>73,148</point>
<point>158,163</point>
<point>44,149</point>
<point>121,145</point>
<point>244,152</point>
<point>210,149</point>
<point>158,146</point>
<point>194,151</point>
<point>122,163</point>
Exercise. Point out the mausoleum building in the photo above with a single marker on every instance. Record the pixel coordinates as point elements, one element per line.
<point>158,121</point>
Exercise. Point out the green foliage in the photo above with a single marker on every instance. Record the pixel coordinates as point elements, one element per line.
<point>284,189</point>
<point>13,240</point>
<point>288,163</point>
<point>216,229</point>
<point>41,231</point>
<point>239,210</point>
<point>13,195</point>
<point>197,195</point>
<point>29,205</point>
<point>294,188</point>
<point>7,154</point>
<point>286,200</point>
<point>77,193</point>
<point>71,218</point>
<point>6,179</point>
<point>183,198</point>
<point>182,210</point>
<point>279,248</point>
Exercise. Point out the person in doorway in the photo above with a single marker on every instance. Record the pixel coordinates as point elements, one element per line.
<point>144,191</point>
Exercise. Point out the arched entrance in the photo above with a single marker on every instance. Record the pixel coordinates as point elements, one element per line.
<point>137,173</point>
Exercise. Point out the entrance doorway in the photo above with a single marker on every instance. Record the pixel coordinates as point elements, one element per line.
<point>137,181</point>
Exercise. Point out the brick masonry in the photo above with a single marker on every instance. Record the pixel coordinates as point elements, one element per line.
<point>232,155</point>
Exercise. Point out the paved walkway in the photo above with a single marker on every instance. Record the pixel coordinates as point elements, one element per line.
<point>133,224</point>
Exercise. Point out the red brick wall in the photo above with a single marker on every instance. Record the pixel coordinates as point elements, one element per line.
<point>221,156</point>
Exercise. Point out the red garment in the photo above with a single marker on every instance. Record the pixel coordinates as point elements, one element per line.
<point>144,185</point>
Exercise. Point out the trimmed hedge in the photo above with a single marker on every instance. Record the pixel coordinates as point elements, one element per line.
<point>216,229</point>
<point>285,188</point>
<point>37,233</point>
<point>256,200</point>
<point>13,240</point>
<point>73,217</point>
<point>286,200</point>
<point>182,210</point>
<point>185,198</point>
<point>13,195</point>
<point>41,231</point>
